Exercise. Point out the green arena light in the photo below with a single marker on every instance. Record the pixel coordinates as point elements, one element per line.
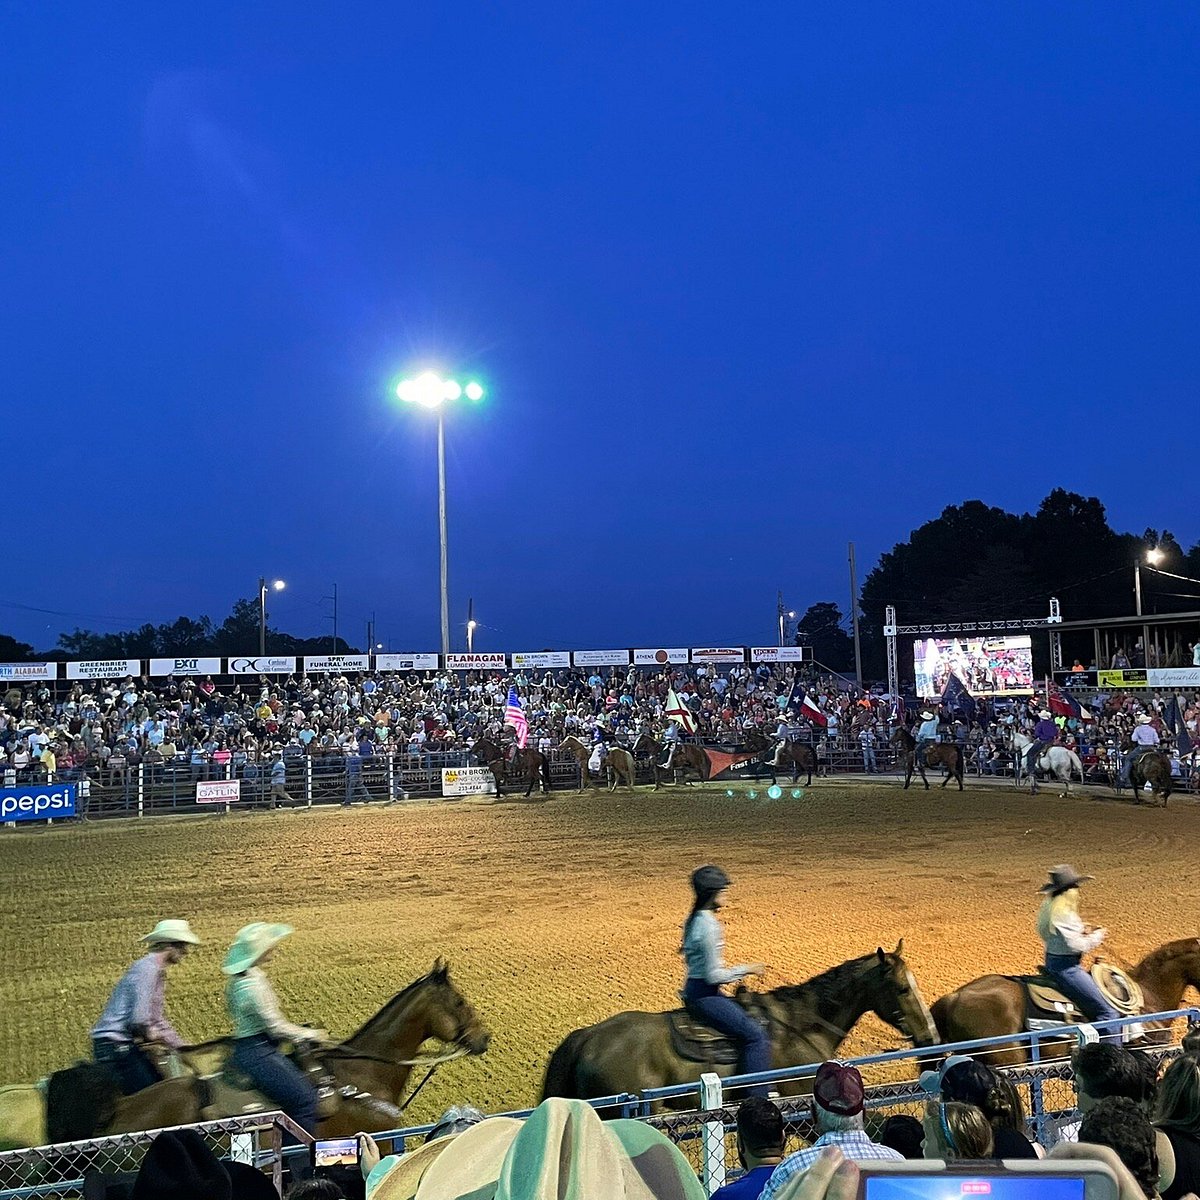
<point>797,793</point>
<point>774,791</point>
<point>752,795</point>
<point>729,791</point>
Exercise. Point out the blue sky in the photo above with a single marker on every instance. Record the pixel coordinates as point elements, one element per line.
<point>744,283</point>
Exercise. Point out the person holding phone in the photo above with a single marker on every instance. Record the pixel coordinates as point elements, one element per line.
<point>703,950</point>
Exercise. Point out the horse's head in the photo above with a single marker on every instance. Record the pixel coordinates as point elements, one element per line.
<point>451,1018</point>
<point>896,999</point>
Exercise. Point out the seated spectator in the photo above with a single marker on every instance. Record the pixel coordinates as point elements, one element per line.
<point>904,1134</point>
<point>966,1081</point>
<point>955,1131</point>
<point>759,1146</point>
<point>454,1120</point>
<point>838,1099</point>
<point>1177,1117</point>
<point>315,1189</point>
<point>1122,1125</point>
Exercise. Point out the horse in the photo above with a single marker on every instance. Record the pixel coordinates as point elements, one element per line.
<point>618,762</point>
<point>1056,761</point>
<point>800,755</point>
<point>994,1005</point>
<point>688,757</point>
<point>633,1051</point>
<point>365,1075</point>
<point>527,764</point>
<point>940,754</point>
<point>1153,768</point>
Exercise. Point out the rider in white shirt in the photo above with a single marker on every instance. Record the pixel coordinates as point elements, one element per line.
<point>1144,737</point>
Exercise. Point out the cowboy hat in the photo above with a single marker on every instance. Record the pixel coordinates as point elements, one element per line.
<point>1063,878</point>
<point>169,932</point>
<point>926,715</point>
<point>251,943</point>
<point>1045,714</point>
<point>397,1178</point>
<point>472,1170</point>
<point>1145,719</point>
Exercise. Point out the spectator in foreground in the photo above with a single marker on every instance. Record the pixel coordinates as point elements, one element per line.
<point>956,1131</point>
<point>966,1081</point>
<point>760,1149</point>
<point>838,1099</point>
<point>315,1189</point>
<point>904,1134</point>
<point>1177,1117</point>
<point>1120,1124</point>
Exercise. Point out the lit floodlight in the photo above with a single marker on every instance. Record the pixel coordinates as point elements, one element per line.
<point>474,391</point>
<point>451,390</point>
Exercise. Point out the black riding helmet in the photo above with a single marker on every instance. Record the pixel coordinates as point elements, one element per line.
<point>708,881</point>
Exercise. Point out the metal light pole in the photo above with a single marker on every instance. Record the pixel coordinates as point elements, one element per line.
<point>785,615</point>
<point>471,626</point>
<point>278,586</point>
<point>1153,556</point>
<point>431,391</point>
<point>854,617</point>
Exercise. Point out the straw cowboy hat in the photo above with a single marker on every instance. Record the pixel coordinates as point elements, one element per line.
<point>1145,719</point>
<point>1045,714</point>
<point>399,1178</point>
<point>1063,878</point>
<point>472,1170</point>
<point>170,933</point>
<point>251,943</point>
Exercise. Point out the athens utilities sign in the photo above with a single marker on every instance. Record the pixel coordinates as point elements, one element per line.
<point>37,803</point>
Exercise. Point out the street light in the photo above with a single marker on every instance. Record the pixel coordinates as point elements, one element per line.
<point>1153,556</point>
<point>784,615</point>
<point>276,585</point>
<point>429,390</point>
<point>471,625</point>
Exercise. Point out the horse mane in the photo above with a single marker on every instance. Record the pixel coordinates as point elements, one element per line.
<point>822,989</point>
<point>1168,952</point>
<point>398,1000</point>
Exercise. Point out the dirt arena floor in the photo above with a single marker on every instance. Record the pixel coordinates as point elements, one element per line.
<point>557,914</point>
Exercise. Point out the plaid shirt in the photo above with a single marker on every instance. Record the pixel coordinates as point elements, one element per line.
<point>853,1143</point>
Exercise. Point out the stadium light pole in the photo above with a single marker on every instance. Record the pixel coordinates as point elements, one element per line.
<point>431,391</point>
<point>276,585</point>
<point>1153,556</point>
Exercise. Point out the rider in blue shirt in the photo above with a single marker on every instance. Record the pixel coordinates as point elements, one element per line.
<point>927,734</point>
<point>760,1149</point>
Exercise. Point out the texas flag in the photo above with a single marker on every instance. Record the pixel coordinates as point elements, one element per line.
<point>675,711</point>
<point>809,710</point>
<point>1063,705</point>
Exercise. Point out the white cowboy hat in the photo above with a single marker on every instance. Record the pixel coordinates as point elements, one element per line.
<point>251,943</point>
<point>472,1170</point>
<point>170,932</point>
<point>1145,719</point>
<point>926,715</point>
<point>1045,714</point>
<point>401,1176</point>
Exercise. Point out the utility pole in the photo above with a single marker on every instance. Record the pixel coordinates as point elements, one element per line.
<point>854,617</point>
<point>335,616</point>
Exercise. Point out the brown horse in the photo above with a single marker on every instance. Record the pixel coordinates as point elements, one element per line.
<point>688,757</point>
<point>618,762</point>
<point>799,755</point>
<point>1153,768</point>
<point>942,754</point>
<point>527,764</point>
<point>995,1004</point>
<point>807,1023</point>
<point>367,1073</point>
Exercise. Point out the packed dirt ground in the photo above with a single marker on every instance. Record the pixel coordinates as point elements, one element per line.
<point>559,913</point>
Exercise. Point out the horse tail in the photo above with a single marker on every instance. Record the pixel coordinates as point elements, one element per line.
<point>1076,764</point>
<point>81,1101</point>
<point>562,1077</point>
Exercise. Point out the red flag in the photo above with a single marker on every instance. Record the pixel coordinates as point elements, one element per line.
<point>810,712</point>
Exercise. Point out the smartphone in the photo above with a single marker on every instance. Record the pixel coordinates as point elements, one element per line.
<point>1012,1179</point>
<point>335,1152</point>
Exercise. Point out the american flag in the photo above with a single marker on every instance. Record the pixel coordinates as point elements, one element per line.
<point>514,715</point>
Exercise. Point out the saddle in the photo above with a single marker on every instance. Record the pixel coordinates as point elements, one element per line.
<point>1045,1004</point>
<point>233,1091</point>
<point>697,1042</point>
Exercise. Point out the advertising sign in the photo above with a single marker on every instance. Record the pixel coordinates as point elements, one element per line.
<point>985,666</point>
<point>185,666</point>
<point>476,662</point>
<point>1123,679</point>
<point>37,802</point>
<point>719,654</point>
<point>468,781</point>
<point>264,664</point>
<point>1187,677</point>
<point>778,654</point>
<point>28,671</point>
<point>406,662</point>
<point>600,658</point>
<point>104,668</point>
<point>659,658</point>
<point>544,658</point>
<point>219,791</point>
<point>335,664</point>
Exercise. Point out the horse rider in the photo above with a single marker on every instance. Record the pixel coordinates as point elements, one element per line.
<point>703,950</point>
<point>259,1025</point>
<point>786,731</point>
<point>134,1014</point>
<point>670,739</point>
<point>1067,939</point>
<point>1045,734</point>
<point>1145,738</point>
<point>927,734</point>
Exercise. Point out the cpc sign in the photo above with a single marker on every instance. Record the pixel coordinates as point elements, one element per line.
<point>37,803</point>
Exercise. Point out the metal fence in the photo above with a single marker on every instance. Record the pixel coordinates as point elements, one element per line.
<point>59,1171</point>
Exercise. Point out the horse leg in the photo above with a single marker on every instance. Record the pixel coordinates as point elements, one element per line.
<point>924,777</point>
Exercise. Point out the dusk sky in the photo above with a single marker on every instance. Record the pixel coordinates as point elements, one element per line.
<point>744,282</point>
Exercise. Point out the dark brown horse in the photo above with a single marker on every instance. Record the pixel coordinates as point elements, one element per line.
<point>688,757</point>
<point>941,754</point>
<point>1153,768</point>
<point>807,1023</point>
<point>368,1072</point>
<point>527,764</point>
<point>800,756</point>
<point>995,1004</point>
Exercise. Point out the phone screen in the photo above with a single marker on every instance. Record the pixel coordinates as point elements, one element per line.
<point>336,1152</point>
<point>939,1186</point>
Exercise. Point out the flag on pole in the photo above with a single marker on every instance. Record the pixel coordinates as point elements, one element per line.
<point>810,711</point>
<point>1063,705</point>
<point>514,715</point>
<point>675,711</point>
<point>1175,723</point>
<point>958,699</point>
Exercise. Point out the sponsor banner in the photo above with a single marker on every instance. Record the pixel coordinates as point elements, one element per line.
<point>545,658</point>
<point>600,658</point>
<point>719,654</point>
<point>335,664</point>
<point>468,781</point>
<point>476,662</point>
<point>219,791</point>
<point>264,664</point>
<point>406,662</point>
<point>744,765</point>
<point>104,668</point>
<point>185,666</point>
<point>1188,677</point>
<point>777,654</point>
<point>28,671</point>
<point>658,658</point>
<point>1123,679</point>
<point>41,802</point>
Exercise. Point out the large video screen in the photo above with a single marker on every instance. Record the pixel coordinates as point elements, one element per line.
<point>985,666</point>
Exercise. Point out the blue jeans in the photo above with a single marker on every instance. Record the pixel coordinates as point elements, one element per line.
<point>1127,766</point>
<point>705,1002</point>
<point>278,1079</point>
<point>1079,986</point>
<point>923,744</point>
<point>128,1062</point>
